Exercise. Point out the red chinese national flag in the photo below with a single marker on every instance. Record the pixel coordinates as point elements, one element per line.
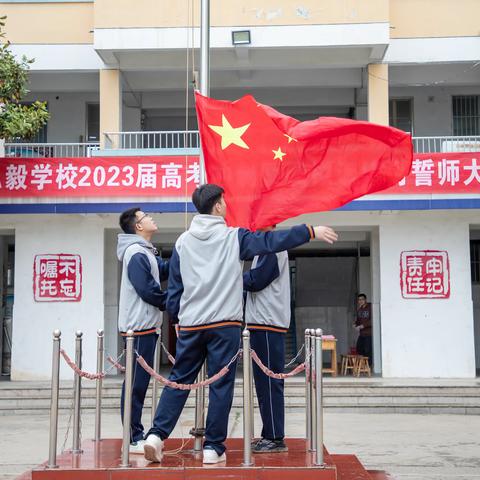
<point>274,167</point>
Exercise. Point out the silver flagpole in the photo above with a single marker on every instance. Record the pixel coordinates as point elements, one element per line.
<point>199,430</point>
<point>204,67</point>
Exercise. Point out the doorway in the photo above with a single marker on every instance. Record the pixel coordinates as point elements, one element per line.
<point>7,279</point>
<point>325,286</point>
<point>475,274</point>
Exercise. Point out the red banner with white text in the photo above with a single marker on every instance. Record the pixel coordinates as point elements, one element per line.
<point>165,176</point>
<point>441,173</point>
<point>171,176</point>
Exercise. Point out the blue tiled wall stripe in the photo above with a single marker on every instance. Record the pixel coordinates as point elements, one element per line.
<point>179,207</point>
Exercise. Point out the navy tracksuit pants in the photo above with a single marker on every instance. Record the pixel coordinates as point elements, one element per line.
<point>145,346</point>
<point>270,347</point>
<point>217,345</point>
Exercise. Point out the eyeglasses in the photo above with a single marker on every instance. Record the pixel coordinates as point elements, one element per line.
<point>144,216</point>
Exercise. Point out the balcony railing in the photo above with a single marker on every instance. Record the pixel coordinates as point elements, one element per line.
<point>162,140</point>
<point>446,144</point>
<point>190,139</point>
<point>49,150</point>
<point>172,140</point>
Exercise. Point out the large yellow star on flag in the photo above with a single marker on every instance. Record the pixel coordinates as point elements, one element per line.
<point>278,154</point>
<point>230,135</point>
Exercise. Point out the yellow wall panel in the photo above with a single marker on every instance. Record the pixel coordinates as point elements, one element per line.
<point>51,23</point>
<point>174,13</point>
<point>434,18</point>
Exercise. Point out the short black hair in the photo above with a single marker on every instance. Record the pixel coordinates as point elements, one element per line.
<point>206,196</point>
<point>128,219</point>
<point>362,295</point>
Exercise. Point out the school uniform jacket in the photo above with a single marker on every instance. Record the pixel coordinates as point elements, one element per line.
<point>205,284</point>
<point>141,297</point>
<point>268,293</point>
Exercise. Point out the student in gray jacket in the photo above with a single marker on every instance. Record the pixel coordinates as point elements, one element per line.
<point>205,296</point>
<point>140,304</point>
<point>267,316</point>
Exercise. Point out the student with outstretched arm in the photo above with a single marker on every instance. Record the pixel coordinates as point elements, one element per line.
<point>205,297</point>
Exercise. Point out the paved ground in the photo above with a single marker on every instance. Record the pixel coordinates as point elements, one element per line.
<point>410,447</point>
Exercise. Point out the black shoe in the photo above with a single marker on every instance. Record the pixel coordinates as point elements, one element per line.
<point>254,442</point>
<point>269,446</point>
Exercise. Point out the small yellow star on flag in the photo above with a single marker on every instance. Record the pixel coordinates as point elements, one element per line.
<point>290,139</point>
<point>278,154</point>
<point>230,135</point>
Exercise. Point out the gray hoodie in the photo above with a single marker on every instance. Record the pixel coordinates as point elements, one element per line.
<point>271,305</point>
<point>141,297</point>
<point>205,283</point>
<point>211,272</point>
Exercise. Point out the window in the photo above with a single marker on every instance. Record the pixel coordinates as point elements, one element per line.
<point>400,113</point>
<point>466,119</point>
<point>93,122</point>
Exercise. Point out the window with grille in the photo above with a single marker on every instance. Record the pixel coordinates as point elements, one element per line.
<point>401,114</point>
<point>466,118</point>
<point>475,260</point>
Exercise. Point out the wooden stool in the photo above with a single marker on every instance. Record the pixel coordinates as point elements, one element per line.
<point>362,366</point>
<point>348,363</point>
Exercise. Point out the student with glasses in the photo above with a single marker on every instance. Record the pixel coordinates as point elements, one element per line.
<point>140,305</point>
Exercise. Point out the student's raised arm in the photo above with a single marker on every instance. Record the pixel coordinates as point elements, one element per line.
<point>258,243</point>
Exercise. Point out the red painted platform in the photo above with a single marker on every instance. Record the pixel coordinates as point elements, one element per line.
<point>101,462</point>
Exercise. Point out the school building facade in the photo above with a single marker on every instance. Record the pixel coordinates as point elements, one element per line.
<point>117,77</point>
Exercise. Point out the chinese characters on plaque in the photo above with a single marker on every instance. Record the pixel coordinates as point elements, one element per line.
<point>57,278</point>
<point>425,274</point>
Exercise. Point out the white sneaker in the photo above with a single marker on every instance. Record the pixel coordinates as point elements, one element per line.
<point>152,449</point>
<point>136,448</point>
<point>211,456</point>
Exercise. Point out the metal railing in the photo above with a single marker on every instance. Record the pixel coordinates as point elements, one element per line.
<point>50,150</point>
<point>159,139</point>
<point>190,139</point>
<point>446,144</point>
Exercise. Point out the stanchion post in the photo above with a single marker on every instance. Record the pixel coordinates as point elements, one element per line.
<point>156,366</point>
<point>127,404</point>
<point>99,384</point>
<point>52,451</point>
<point>252,402</point>
<point>247,434</point>
<point>308,373</point>
<point>77,394</point>
<point>199,429</point>
<point>313,410</point>
<point>319,396</point>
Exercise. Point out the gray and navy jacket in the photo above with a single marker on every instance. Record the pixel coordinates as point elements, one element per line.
<point>267,284</point>
<point>141,297</point>
<point>205,283</point>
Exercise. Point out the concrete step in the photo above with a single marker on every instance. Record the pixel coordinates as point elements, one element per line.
<point>346,395</point>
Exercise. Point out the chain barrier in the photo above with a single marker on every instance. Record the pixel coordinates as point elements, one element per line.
<point>93,376</point>
<point>279,376</point>
<point>292,361</point>
<point>68,425</point>
<point>170,357</point>
<point>185,386</point>
<point>78,371</point>
<point>116,363</point>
